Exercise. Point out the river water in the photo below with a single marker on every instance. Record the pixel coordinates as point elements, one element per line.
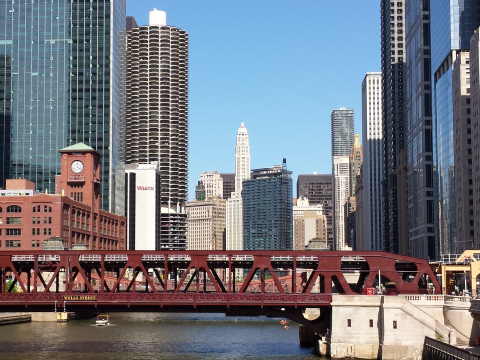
<point>154,336</point>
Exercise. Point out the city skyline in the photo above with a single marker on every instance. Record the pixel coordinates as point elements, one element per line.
<point>309,103</point>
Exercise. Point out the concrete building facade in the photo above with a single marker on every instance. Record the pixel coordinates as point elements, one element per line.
<point>213,184</point>
<point>206,224</point>
<point>309,223</point>
<point>372,172</point>
<point>318,189</point>
<point>356,161</point>
<point>142,188</point>
<point>157,116</point>
<point>341,194</point>
<point>234,217</point>
<point>462,128</point>
<point>267,209</point>
<point>360,242</point>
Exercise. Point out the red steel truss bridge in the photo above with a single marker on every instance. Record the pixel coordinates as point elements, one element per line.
<point>239,282</point>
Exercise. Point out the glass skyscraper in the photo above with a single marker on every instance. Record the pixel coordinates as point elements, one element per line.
<point>419,135</point>
<point>452,25</point>
<point>61,78</point>
<point>394,225</point>
<point>268,209</point>
<point>342,131</point>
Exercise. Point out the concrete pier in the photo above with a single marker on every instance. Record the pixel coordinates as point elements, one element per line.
<point>394,327</point>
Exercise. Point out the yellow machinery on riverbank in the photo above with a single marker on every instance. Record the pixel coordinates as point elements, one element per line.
<point>460,274</point>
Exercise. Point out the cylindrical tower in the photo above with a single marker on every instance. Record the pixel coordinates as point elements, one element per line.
<point>157,117</point>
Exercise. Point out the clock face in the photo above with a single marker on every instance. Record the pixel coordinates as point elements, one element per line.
<point>77,166</point>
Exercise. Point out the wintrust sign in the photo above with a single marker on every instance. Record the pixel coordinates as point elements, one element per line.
<point>145,188</point>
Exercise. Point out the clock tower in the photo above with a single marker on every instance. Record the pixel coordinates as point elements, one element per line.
<point>80,177</point>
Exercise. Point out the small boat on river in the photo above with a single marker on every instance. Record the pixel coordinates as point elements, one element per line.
<point>102,320</point>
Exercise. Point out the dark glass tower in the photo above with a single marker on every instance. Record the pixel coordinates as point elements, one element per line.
<point>419,140</point>
<point>61,79</point>
<point>318,189</point>
<point>268,209</point>
<point>394,225</point>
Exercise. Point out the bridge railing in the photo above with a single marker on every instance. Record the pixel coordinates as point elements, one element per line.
<point>475,306</point>
<point>438,300</point>
<point>434,350</point>
<point>430,299</point>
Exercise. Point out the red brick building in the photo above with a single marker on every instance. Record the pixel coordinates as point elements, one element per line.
<point>28,218</point>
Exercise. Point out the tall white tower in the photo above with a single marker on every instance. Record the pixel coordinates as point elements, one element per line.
<point>242,158</point>
<point>234,216</point>
<point>341,192</point>
<point>372,174</point>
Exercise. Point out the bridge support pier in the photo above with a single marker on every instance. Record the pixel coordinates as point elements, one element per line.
<point>307,336</point>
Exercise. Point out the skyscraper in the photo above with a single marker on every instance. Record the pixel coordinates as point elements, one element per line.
<point>318,189</point>
<point>342,131</point>
<point>234,216</point>
<point>142,189</point>
<point>309,224</point>
<point>157,116</point>
<point>267,209</point>
<point>462,130</point>
<point>342,145</point>
<point>422,233</point>
<point>475,101</point>
<point>350,207</point>
<point>372,129</point>
<point>452,26</point>
<point>206,224</point>
<point>62,83</point>
<point>394,151</point>
<point>341,194</point>
<point>356,161</point>
<point>228,184</point>
<point>242,158</point>
<point>213,184</point>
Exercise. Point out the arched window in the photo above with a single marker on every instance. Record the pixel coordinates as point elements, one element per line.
<point>14,209</point>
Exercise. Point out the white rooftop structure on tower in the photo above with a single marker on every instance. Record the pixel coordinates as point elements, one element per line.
<point>157,18</point>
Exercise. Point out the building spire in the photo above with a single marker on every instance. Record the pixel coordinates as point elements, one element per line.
<point>242,158</point>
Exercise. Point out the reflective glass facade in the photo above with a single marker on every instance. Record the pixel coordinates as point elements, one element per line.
<point>35,48</point>
<point>342,132</point>
<point>445,160</point>
<point>452,25</point>
<point>268,210</point>
<point>61,83</point>
<point>419,140</point>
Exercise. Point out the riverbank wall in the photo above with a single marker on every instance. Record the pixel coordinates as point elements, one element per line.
<point>14,318</point>
<point>391,327</point>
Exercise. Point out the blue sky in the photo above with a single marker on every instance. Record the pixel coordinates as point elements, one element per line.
<point>278,66</point>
